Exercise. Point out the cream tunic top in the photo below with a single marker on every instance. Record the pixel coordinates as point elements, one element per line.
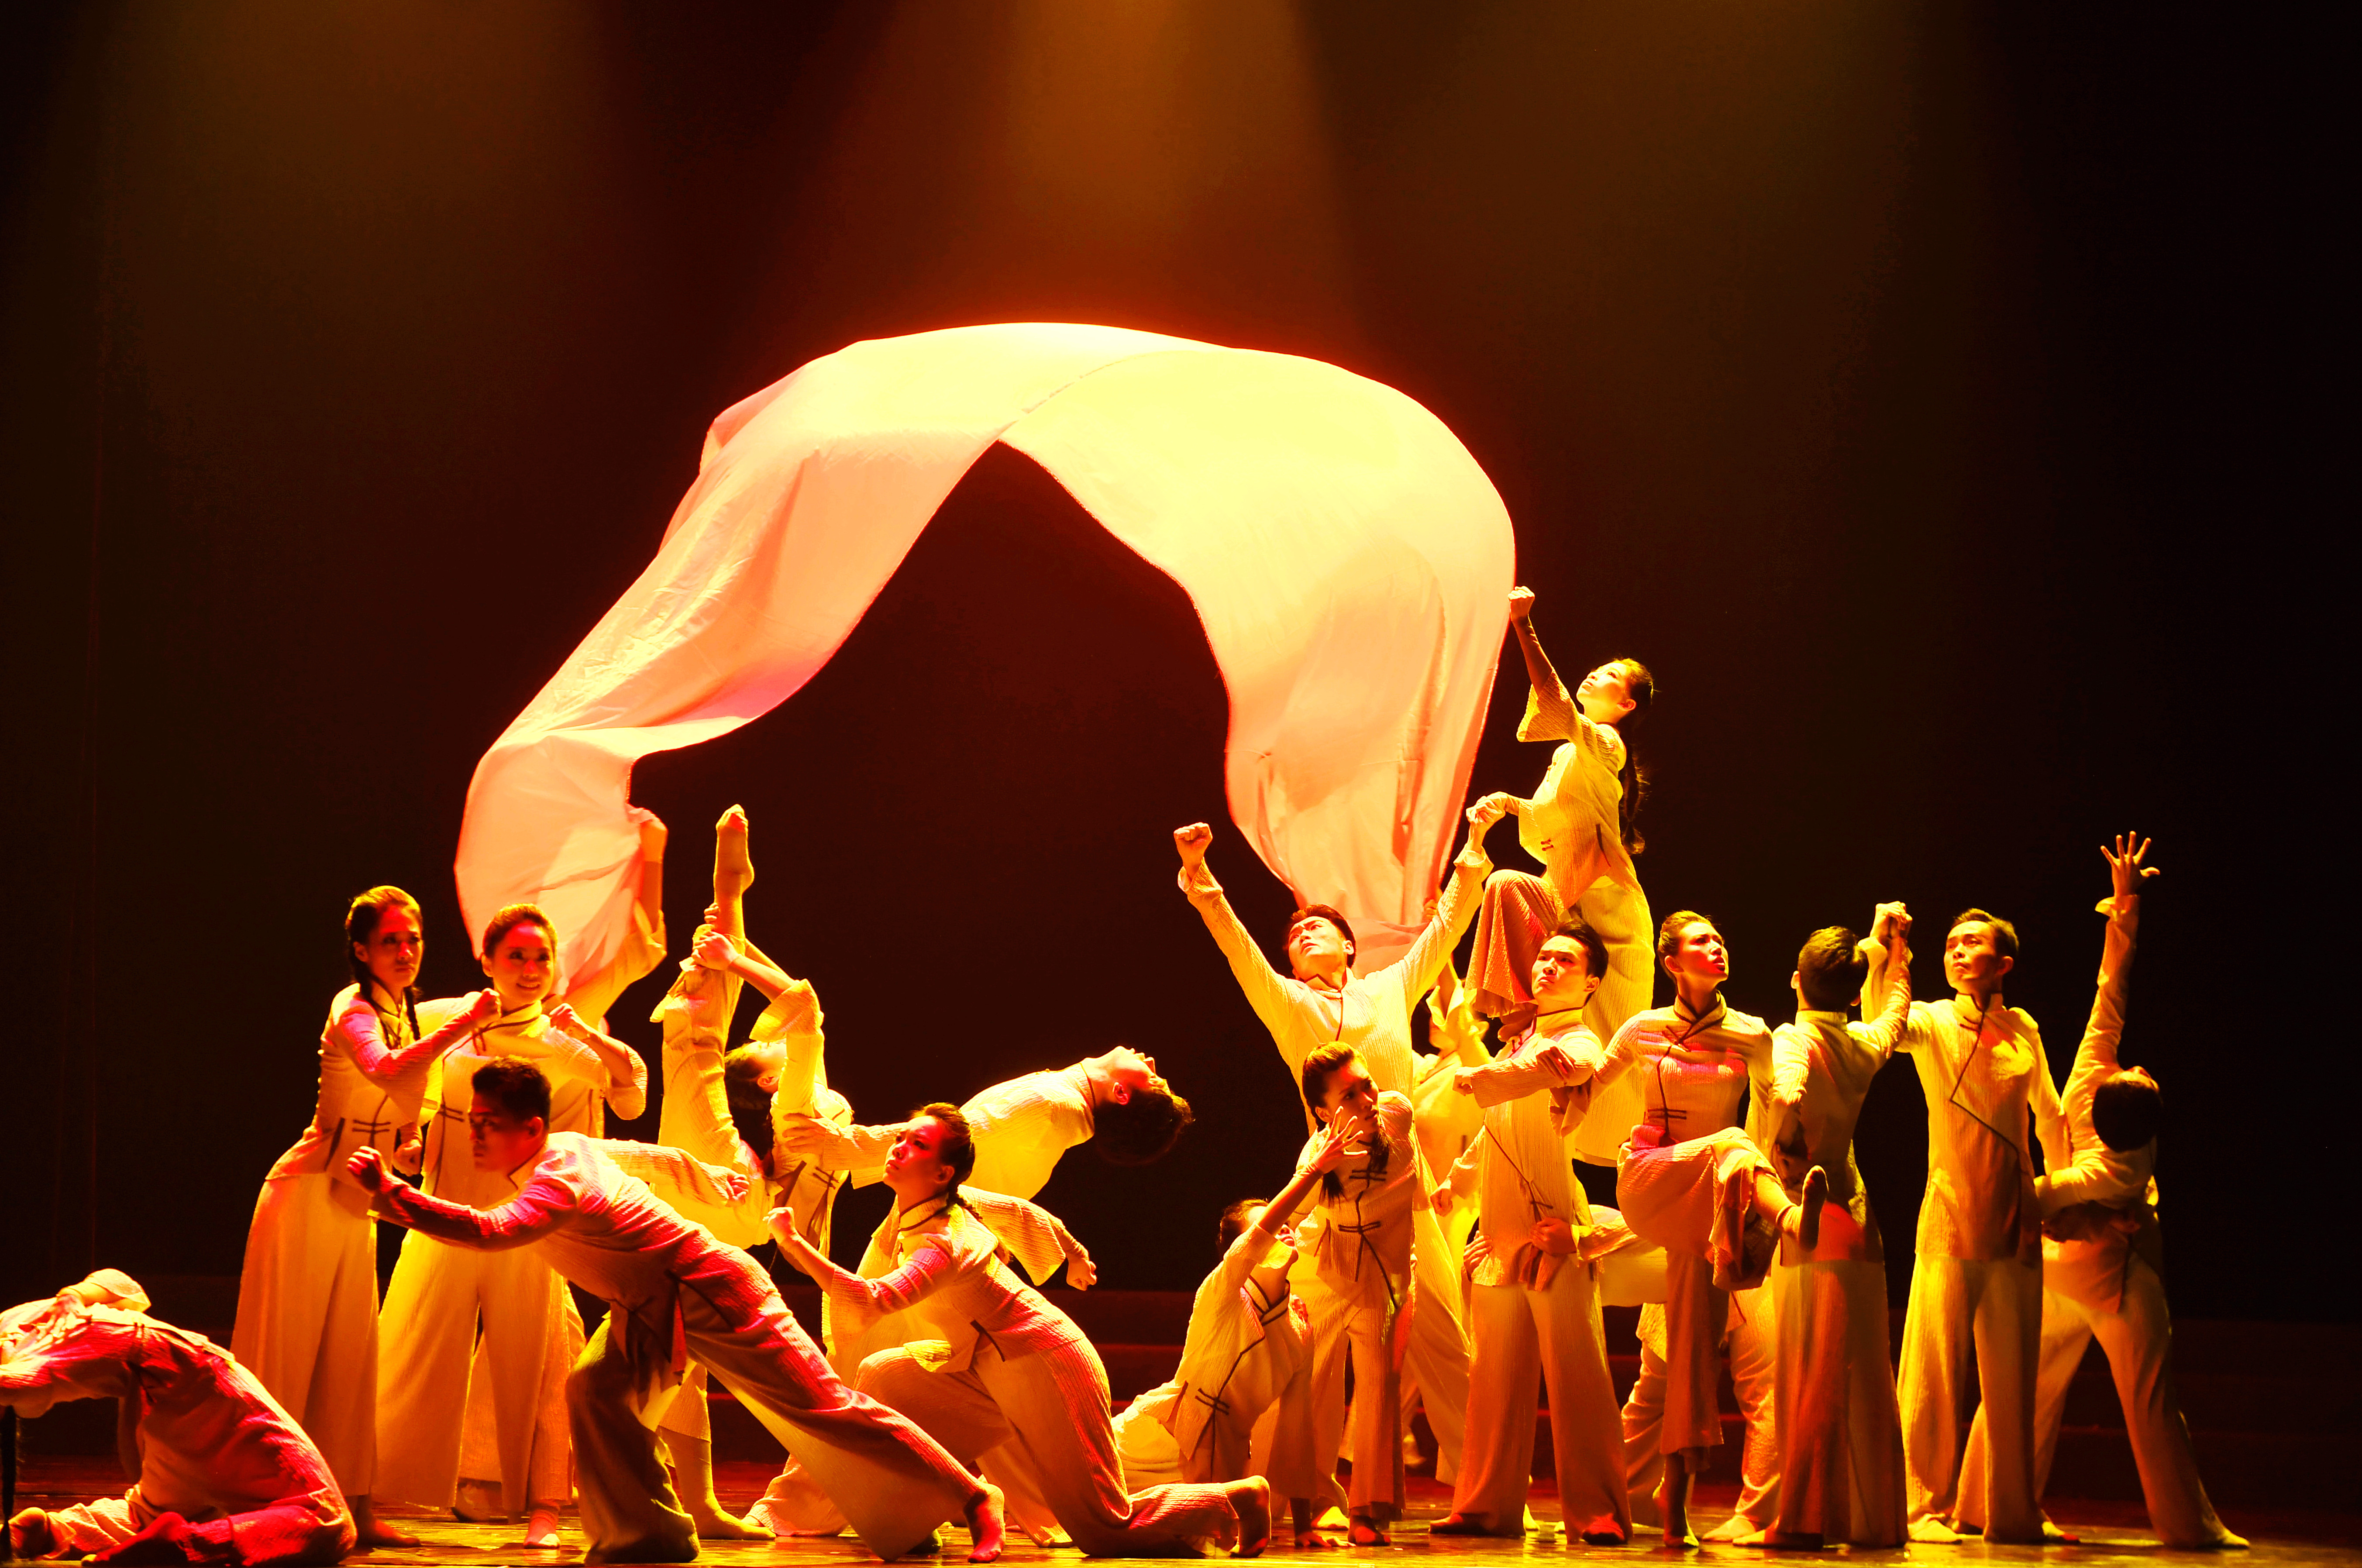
<point>1241,1350</point>
<point>579,1092</point>
<point>937,1272</point>
<point>1020,1130</point>
<point>1365,1245</point>
<point>1574,823</point>
<point>1693,1068</point>
<point>1822,1067</point>
<point>372,1085</point>
<point>1522,1173</point>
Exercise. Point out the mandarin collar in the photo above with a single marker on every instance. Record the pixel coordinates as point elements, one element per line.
<point>1681,1010</point>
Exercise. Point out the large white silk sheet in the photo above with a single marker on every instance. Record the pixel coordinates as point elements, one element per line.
<point>1349,560</point>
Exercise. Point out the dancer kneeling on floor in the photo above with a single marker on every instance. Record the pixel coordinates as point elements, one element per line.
<point>1006,1375</point>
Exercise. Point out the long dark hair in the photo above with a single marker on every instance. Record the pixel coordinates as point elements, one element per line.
<point>750,1103</point>
<point>361,917</point>
<point>1640,686</point>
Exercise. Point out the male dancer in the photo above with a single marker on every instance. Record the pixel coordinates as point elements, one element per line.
<point>674,1292</point>
<point>1980,1266</point>
<point>1840,1434</point>
<point>2102,1255</point>
<point>1691,1063</point>
<point>1325,1002</point>
<point>1533,1305</point>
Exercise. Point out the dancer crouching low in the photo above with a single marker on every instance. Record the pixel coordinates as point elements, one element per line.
<point>674,1292</point>
<point>1006,1374</point>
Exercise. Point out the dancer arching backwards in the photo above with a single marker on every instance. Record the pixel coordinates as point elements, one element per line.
<point>1005,1373</point>
<point>1978,1272</point>
<point>1325,1002</point>
<point>1582,825</point>
<point>1687,1180</point>
<point>1246,1350</point>
<point>439,1294</point>
<point>307,1299</point>
<point>1839,1430</point>
<point>2102,1255</point>
<point>1533,1305</point>
<point>672,1291</point>
<point>1682,1069</point>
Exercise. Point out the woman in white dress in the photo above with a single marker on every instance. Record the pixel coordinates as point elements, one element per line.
<point>307,1299</point>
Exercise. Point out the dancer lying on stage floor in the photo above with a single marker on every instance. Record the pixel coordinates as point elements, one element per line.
<point>1324,1001</point>
<point>1979,1271</point>
<point>1582,825</point>
<point>307,1299</point>
<point>673,1292</point>
<point>2103,1258</point>
<point>1533,1305</point>
<point>220,1472</point>
<point>1839,1430</point>
<point>1688,1065</point>
<point>1005,1373</point>
<point>431,1437</point>
<point>1245,1376</point>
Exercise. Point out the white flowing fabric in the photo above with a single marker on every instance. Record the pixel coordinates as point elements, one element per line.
<point>1348,558</point>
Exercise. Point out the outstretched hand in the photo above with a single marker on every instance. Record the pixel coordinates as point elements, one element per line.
<point>1193,842</point>
<point>1336,1142</point>
<point>2124,863</point>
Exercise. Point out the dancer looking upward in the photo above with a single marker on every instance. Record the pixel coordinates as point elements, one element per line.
<point>307,1297</point>
<point>1839,1430</point>
<point>440,1294</point>
<point>1978,1272</point>
<point>1533,1305</point>
<point>1004,1373</point>
<point>222,1473</point>
<point>2102,1255</point>
<point>1691,1063</point>
<point>1582,823</point>
<point>1326,1002</point>
<point>673,1291</point>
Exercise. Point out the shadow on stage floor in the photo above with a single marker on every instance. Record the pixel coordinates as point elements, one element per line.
<point>2112,1532</point>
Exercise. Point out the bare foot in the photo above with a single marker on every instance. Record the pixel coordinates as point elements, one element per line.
<point>370,1532</point>
<point>30,1534</point>
<point>716,1523</point>
<point>1365,1533</point>
<point>1456,1523</point>
<point>541,1529</point>
<point>985,1526</point>
<point>734,867</point>
<point>1251,1500</point>
<point>1312,1541</point>
<point>1816,1192</point>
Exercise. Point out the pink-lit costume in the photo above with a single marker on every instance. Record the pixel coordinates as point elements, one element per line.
<point>1978,1272</point>
<point>1839,1429</point>
<point>1003,1375</point>
<point>307,1297</point>
<point>531,1331</point>
<point>1246,1363</point>
<point>221,1471</point>
<point>1367,1304</point>
<point>1689,1196</point>
<point>1371,1013</point>
<point>673,1293</point>
<point>2102,1274</point>
<point>1573,826</point>
<point>1533,1311</point>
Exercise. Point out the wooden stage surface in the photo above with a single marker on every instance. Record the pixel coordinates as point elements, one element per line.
<point>2112,1533</point>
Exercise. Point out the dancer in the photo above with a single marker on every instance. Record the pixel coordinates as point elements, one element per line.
<point>221,1471</point>
<point>1244,1358</point>
<point>592,994</point>
<point>1448,1122</point>
<point>1003,1372</point>
<point>531,1331</point>
<point>2101,1257</point>
<point>1533,1305</point>
<point>1978,1272</point>
<point>1694,1060</point>
<point>672,1292</point>
<point>1839,1429</point>
<point>1114,1101</point>
<point>307,1297</point>
<point>1325,1002</point>
<point>1582,825</point>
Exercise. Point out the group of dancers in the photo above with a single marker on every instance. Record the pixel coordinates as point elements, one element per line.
<point>1435,1249</point>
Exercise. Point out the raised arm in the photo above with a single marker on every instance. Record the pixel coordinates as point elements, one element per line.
<point>1464,890</point>
<point>1884,1033</point>
<point>1551,712</point>
<point>668,1170</point>
<point>363,1035</point>
<point>622,1072</point>
<point>1266,992</point>
<point>593,995</point>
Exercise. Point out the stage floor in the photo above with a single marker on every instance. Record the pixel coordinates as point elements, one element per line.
<point>2112,1533</point>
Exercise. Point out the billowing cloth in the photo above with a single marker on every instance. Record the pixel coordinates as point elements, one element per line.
<point>223,1475</point>
<point>1349,560</point>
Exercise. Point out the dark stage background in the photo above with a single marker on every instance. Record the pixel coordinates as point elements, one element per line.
<point>1939,401</point>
